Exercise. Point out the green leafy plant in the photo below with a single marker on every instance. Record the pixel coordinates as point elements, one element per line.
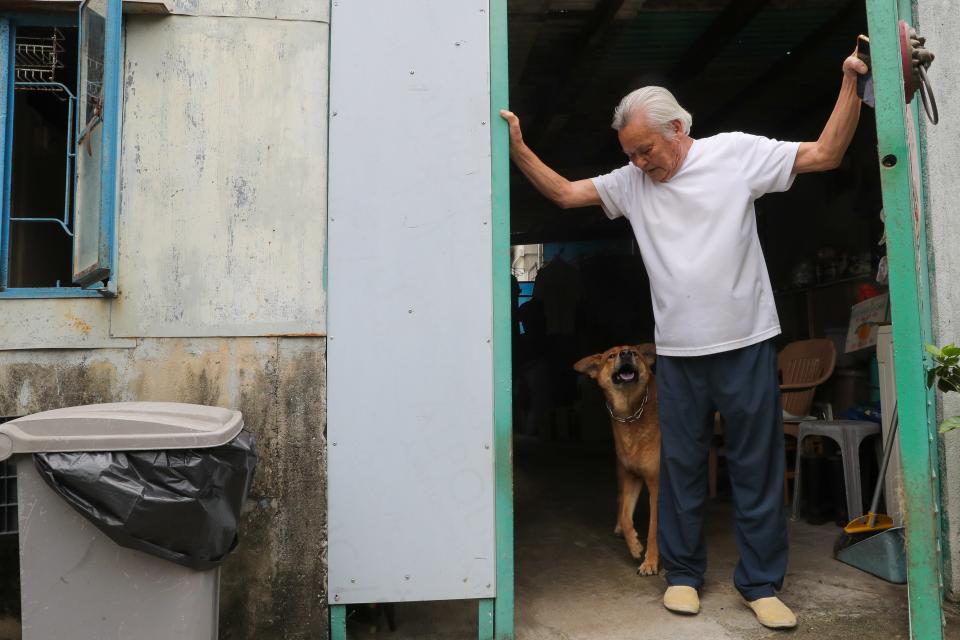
<point>945,373</point>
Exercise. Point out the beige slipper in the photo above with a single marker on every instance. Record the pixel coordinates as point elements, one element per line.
<point>681,599</point>
<point>772,613</point>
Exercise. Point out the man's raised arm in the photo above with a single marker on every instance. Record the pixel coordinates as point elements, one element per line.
<point>827,152</point>
<point>562,192</point>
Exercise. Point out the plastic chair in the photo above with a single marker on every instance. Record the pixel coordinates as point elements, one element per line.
<point>848,434</point>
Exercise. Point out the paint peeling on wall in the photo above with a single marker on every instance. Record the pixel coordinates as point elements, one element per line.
<point>939,21</point>
<point>223,178</point>
<point>63,323</point>
<point>313,10</point>
<point>221,233</point>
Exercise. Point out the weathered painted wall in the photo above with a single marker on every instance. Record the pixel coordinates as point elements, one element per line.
<point>57,324</point>
<point>221,240</point>
<point>223,177</point>
<point>939,22</point>
<point>317,10</point>
<point>274,584</point>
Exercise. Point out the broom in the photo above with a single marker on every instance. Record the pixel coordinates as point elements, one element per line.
<point>873,523</point>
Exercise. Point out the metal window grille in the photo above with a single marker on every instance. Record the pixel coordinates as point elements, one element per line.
<point>39,58</point>
<point>8,494</point>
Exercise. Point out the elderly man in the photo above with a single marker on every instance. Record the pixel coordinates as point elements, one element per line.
<point>690,203</point>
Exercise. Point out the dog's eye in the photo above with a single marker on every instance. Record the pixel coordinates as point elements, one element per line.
<point>611,356</point>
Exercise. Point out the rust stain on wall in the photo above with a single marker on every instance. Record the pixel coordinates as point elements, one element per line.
<point>79,324</point>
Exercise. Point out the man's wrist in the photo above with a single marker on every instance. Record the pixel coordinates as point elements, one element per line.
<point>518,149</point>
<point>849,82</point>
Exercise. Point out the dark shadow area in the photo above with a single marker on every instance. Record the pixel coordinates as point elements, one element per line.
<point>41,252</point>
<point>9,551</point>
<point>765,67</point>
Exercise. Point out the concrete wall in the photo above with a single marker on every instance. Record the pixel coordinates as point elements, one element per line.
<point>274,584</point>
<point>221,297</point>
<point>224,181</point>
<point>939,22</point>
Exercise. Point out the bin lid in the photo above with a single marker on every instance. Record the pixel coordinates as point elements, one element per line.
<point>120,426</point>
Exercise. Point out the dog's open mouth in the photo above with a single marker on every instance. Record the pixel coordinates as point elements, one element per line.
<point>625,374</point>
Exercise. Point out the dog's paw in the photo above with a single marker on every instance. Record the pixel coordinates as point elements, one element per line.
<point>617,531</point>
<point>648,568</point>
<point>634,545</point>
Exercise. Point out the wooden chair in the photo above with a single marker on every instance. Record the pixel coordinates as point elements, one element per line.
<point>803,366</point>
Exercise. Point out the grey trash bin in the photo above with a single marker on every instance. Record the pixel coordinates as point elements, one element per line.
<point>75,581</point>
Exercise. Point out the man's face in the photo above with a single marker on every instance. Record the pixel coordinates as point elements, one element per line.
<point>649,150</point>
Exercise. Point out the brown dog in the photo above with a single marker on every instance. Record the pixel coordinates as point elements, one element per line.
<point>628,384</point>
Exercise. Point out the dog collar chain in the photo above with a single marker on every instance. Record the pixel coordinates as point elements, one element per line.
<point>636,414</point>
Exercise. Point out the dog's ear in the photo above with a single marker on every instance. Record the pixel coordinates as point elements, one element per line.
<point>590,365</point>
<point>649,352</point>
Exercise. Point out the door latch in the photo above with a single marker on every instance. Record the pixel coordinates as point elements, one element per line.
<point>915,59</point>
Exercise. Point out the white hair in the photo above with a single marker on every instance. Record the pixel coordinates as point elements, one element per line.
<point>658,105</point>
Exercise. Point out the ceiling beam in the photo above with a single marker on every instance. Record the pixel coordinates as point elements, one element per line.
<point>591,36</point>
<point>721,31</point>
<point>729,22</point>
<point>787,63</point>
<point>521,57</point>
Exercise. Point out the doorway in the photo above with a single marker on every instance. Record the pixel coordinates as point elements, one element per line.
<point>736,69</point>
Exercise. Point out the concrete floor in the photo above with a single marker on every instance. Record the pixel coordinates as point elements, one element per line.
<point>575,580</point>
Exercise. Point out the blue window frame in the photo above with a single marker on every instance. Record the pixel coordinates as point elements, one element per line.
<point>60,79</point>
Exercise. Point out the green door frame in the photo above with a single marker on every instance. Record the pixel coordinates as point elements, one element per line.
<point>502,330</point>
<point>900,155</point>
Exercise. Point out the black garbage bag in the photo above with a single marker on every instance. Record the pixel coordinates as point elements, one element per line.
<point>182,505</point>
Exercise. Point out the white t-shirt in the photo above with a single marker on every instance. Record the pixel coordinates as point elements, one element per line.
<point>698,238</point>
